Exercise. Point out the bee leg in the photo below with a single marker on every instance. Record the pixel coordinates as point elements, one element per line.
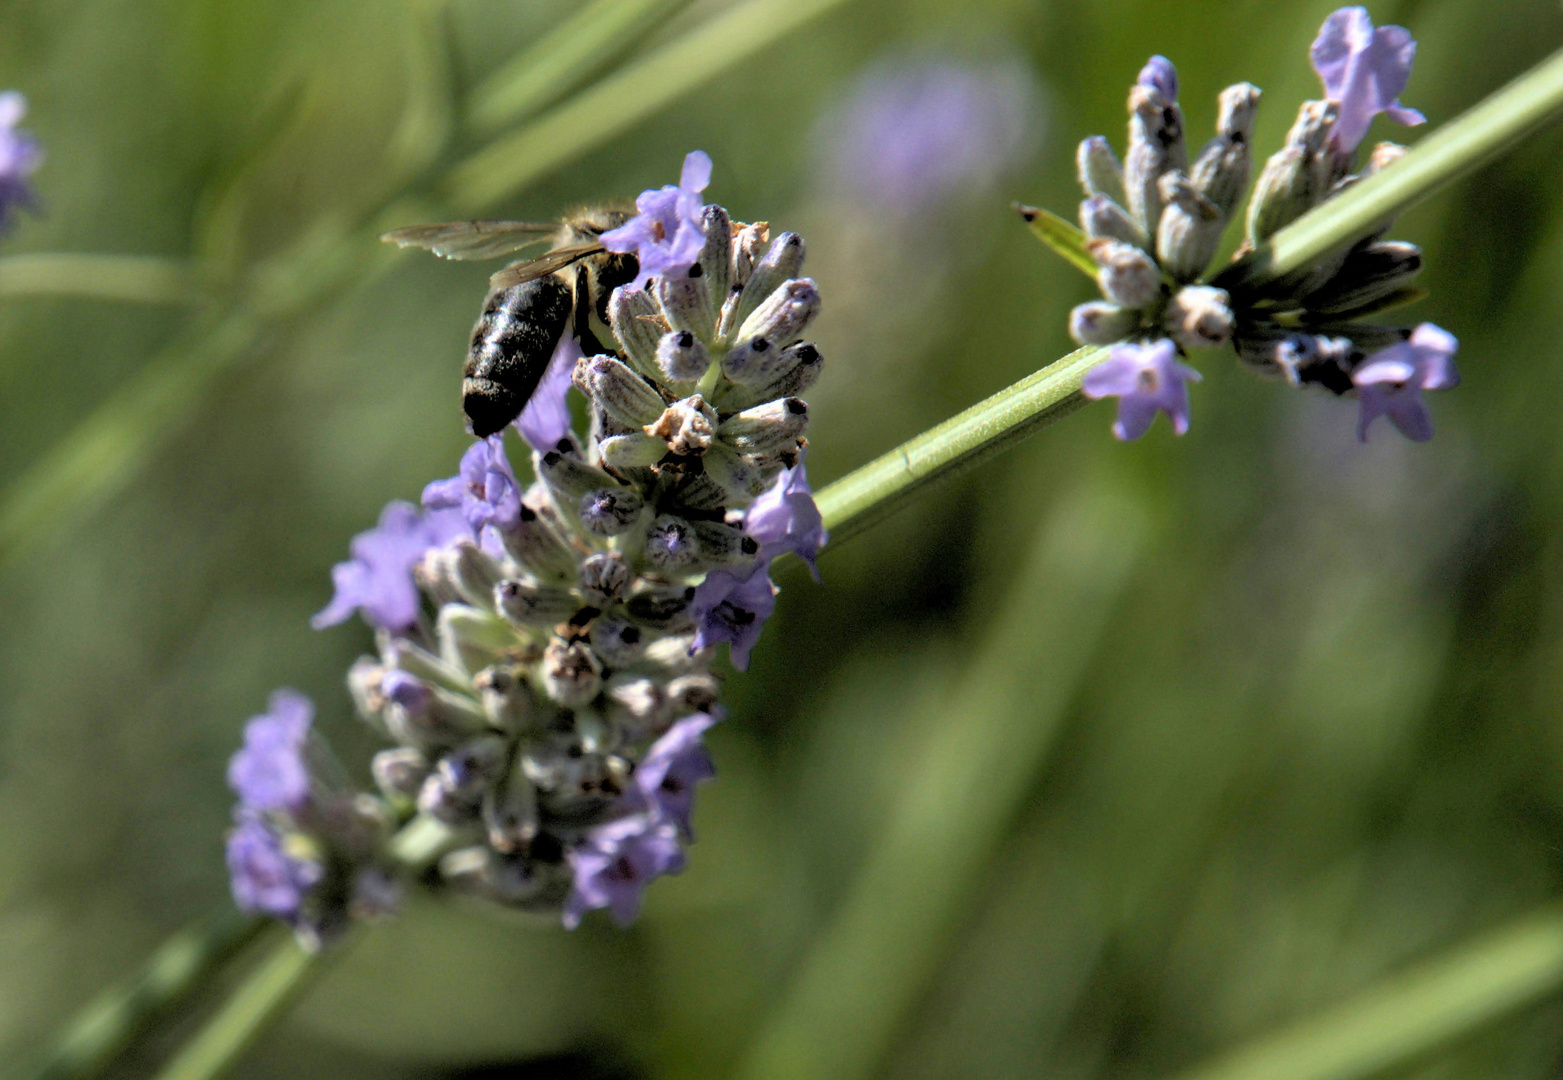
<point>590,345</point>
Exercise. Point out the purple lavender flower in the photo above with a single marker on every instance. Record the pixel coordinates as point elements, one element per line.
<point>1364,72</point>
<point>546,418</point>
<point>485,489</point>
<point>1391,382</point>
<point>666,777</point>
<point>1158,74</point>
<point>1145,379</point>
<point>20,157</point>
<point>785,518</point>
<point>265,877</point>
<point>616,864</point>
<point>665,235</point>
<point>917,132</point>
<point>377,580</point>
<point>732,606</point>
<point>269,772</point>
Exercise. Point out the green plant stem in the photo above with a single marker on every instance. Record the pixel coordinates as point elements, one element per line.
<point>1408,1015</point>
<point>624,99</point>
<point>1464,144</point>
<point>261,998</point>
<point>553,63</point>
<point>111,1022</point>
<point>962,442</point>
<point>146,279</point>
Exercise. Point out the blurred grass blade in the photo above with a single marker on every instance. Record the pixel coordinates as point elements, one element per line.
<point>1061,236</point>
<point>962,442</point>
<point>624,99</point>
<point>179,967</point>
<point>147,279</point>
<point>556,62</point>
<point>260,999</point>
<point>878,954</point>
<point>429,114</point>
<point>1408,1015</point>
<point>1459,147</point>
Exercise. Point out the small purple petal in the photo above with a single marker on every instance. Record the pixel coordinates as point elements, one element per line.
<point>377,580</point>
<point>666,233</point>
<point>617,862</point>
<point>269,772</point>
<point>1160,75</point>
<point>20,157</point>
<point>666,777</point>
<point>696,174</point>
<point>1145,379</point>
<point>730,608</point>
<point>265,877</point>
<point>1364,72</point>
<point>1391,382</point>
<point>785,518</point>
<point>546,418</point>
<point>486,489</point>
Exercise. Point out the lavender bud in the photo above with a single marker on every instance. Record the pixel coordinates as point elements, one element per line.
<point>766,428</point>
<point>531,604</point>
<point>468,769</point>
<point>399,772</point>
<point>471,571</point>
<point>610,511</point>
<point>617,642</point>
<point>643,702</point>
<point>536,545</point>
<point>687,304</point>
<point>682,357</point>
<point>619,392</point>
<point>578,789</point>
<point>781,263</point>
<point>637,450</point>
<point>414,659</point>
<point>671,543</point>
<point>1369,273</point>
<point>510,811</point>
<point>1190,228</point>
<point>572,675</point>
<point>716,257</point>
<point>505,696</point>
<point>693,693</point>
<point>1128,277</point>
<point>1155,147</point>
<point>604,577</point>
<point>471,638</point>
<point>792,372</point>
<point>659,607</point>
<point>1315,359</point>
<point>748,248</point>
<point>1101,218</point>
<point>1198,317</point>
<point>739,476</point>
<point>687,426</point>
<point>637,324</point>
<point>363,684</point>
<point>427,717</point>
<point>1220,173</point>
<point>722,543</point>
<point>568,478</point>
<point>784,314</point>
<point>1100,173</point>
<point>1101,323</point>
<point>1384,155</point>
<point>1295,177</point>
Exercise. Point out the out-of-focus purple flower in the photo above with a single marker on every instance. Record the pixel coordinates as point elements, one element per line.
<point>732,606</point>
<point>1145,379</point>
<point>666,777</point>
<point>20,157</point>
<point>269,772</point>
<point>1160,75</point>
<point>265,877</point>
<point>616,864</point>
<point>916,132</point>
<point>665,234</point>
<point>546,418</point>
<point>1364,72</point>
<point>785,518</point>
<point>485,489</point>
<point>1391,382</point>
<point>377,580</point>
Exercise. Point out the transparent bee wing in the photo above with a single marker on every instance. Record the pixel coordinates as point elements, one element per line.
<point>468,240</point>
<point>558,259</point>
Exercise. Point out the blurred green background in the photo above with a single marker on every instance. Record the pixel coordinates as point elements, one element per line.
<point>1098,762</point>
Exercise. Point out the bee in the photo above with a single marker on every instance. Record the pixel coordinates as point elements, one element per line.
<point>530,302</point>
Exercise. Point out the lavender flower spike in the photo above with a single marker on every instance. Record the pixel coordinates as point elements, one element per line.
<point>617,863</point>
<point>732,606</point>
<point>1364,72</point>
<point>1391,382</point>
<point>19,158</point>
<point>666,777</point>
<point>666,234</point>
<point>266,878</point>
<point>1146,379</point>
<point>377,580</point>
<point>485,489</point>
<point>546,418</point>
<point>785,518</point>
<point>269,772</point>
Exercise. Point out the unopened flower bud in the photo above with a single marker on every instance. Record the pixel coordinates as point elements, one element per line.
<point>722,543</point>
<point>791,373</point>
<point>604,577</point>
<point>568,478</point>
<point>531,604</point>
<point>682,357</point>
<point>1316,359</point>
<point>671,543</point>
<point>687,304</point>
<point>636,450</point>
<point>749,246</point>
<point>1155,147</point>
<point>470,637</point>
<point>399,772</point>
<point>1100,173</point>
<point>537,545</point>
<point>505,696</point>
<point>616,641</point>
<point>571,673</point>
<point>781,263</point>
<point>1220,173</point>
<point>472,572</point>
<point>765,428</point>
<point>781,319</point>
<point>398,652</point>
<point>1101,323</point>
<point>1370,273</point>
<point>1190,228</point>
<point>740,476</point>
<point>427,717</point>
<point>510,810</point>
<point>693,693</point>
<point>621,394</point>
<point>1384,155</point>
<point>637,323</point>
<point>1128,277</point>
<point>716,257</point>
<point>1296,176</point>
<point>1101,218</point>
<point>687,426</point>
<point>364,681</point>
<point>578,788</point>
<point>610,511</point>
<point>467,770</point>
<point>659,607</point>
<point>1199,317</point>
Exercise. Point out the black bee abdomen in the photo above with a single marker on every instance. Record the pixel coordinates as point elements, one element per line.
<point>511,345</point>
